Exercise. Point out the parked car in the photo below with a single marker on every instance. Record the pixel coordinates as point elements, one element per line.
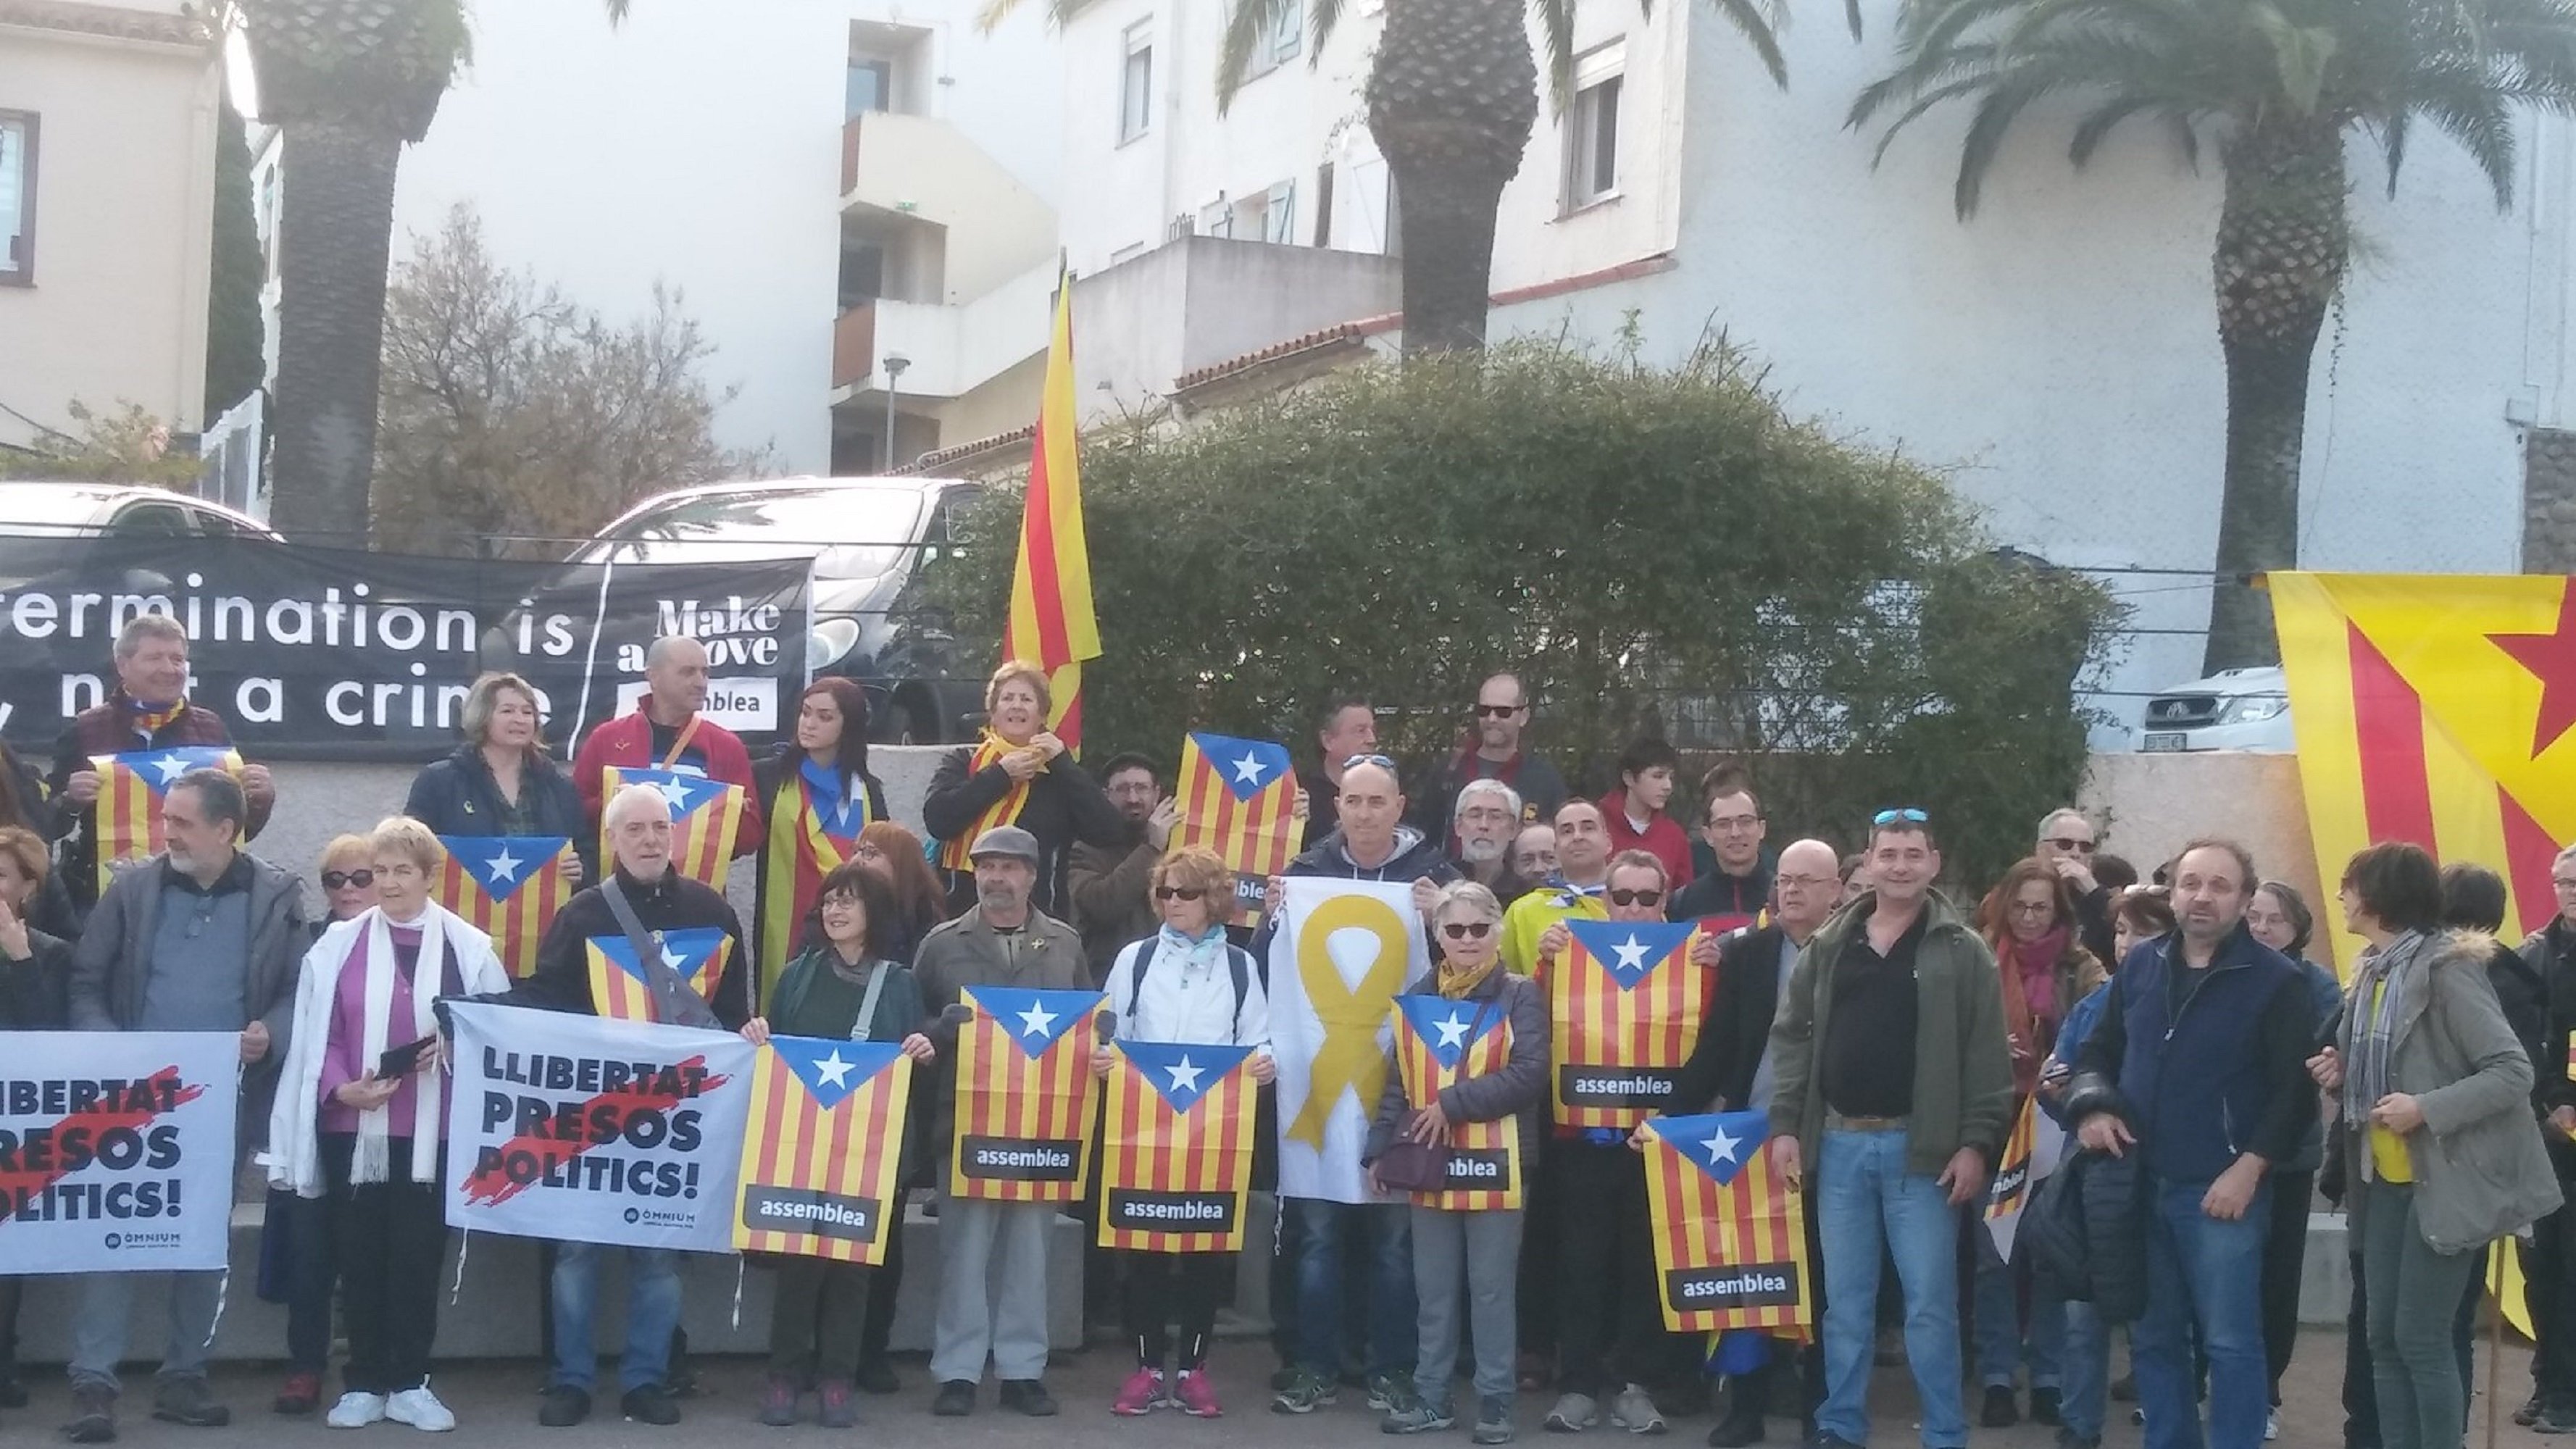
<point>118,510</point>
<point>2234,709</point>
<point>872,541</point>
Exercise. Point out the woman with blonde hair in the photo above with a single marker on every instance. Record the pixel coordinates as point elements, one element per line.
<point>361,1117</point>
<point>1017,774</point>
<point>501,781</point>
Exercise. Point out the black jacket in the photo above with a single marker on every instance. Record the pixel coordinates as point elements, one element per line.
<point>1065,804</point>
<point>35,994</point>
<point>561,981</point>
<point>1715,893</point>
<point>1737,1029</point>
<point>1435,799</point>
<point>2087,1230</point>
<point>457,796</point>
<point>2525,999</point>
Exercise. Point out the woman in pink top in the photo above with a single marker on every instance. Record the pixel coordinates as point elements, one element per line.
<point>369,1143</point>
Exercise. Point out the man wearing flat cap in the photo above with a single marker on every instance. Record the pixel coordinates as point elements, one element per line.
<point>1003,941</point>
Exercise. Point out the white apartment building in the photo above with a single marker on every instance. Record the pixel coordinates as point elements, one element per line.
<point>823,181</point>
<point>107,184</point>
<point>2058,353</point>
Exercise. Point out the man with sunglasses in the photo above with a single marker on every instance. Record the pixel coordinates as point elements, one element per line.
<point>1893,1077</point>
<point>2066,842</point>
<point>1495,753</point>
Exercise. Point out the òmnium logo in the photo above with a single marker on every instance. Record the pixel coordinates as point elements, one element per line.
<point>114,1242</point>
<point>124,1240</point>
<point>633,1215</point>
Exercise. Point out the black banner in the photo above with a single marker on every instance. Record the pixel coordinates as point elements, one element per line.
<point>314,653</point>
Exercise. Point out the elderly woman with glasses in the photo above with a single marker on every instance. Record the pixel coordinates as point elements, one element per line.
<point>1497,1075</point>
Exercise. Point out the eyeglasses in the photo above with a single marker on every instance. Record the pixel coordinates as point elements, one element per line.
<point>1464,930</point>
<point>1808,882</point>
<point>1183,893</point>
<point>868,851</point>
<point>1736,822</point>
<point>1907,813</point>
<point>1499,711</point>
<point>1381,761</point>
<point>2032,908</point>
<point>2070,845</point>
<point>1636,898</point>
<point>362,878</point>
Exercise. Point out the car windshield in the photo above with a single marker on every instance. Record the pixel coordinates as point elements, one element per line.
<point>857,532</point>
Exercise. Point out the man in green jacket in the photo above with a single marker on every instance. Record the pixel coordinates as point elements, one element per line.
<point>1894,1076</point>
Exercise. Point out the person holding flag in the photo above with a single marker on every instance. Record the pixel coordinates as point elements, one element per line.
<point>1185,983</point>
<point>1470,1080</point>
<point>148,710</point>
<point>369,1143</point>
<point>35,984</point>
<point>666,732</point>
<point>845,989</point>
<point>501,781</point>
<point>817,795</point>
<point>1017,774</point>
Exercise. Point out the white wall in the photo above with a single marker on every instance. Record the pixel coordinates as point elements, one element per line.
<point>698,145</point>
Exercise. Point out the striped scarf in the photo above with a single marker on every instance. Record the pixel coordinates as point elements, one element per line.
<point>2378,1000</point>
<point>1005,811</point>
<point>150,720</point>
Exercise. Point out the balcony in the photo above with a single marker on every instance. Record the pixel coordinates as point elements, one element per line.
<point>902,171</point>
<point>952,350</point>
<point>854,346</point>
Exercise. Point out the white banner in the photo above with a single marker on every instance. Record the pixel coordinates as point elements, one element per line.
<point>1343,952</point>
<point>116,1150</point>
<point>2029,1156</point>
<point>586,1130</point>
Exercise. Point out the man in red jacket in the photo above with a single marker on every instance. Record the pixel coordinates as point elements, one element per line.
<point>666,732</point>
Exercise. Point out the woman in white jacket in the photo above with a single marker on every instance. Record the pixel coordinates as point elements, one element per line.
<point>368,1139</point>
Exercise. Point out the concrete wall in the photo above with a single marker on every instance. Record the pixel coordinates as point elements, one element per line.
<point>2147,806</point>
<point>1198,301</point>
<point>124,226</point>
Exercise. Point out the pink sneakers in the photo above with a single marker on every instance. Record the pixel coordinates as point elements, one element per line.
<point>1142,1394</point>
<point>1196,1396</point>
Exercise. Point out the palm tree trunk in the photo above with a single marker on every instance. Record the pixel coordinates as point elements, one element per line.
<point>1452,95</point>
<point>332,254</point>
<point>2283,247</point>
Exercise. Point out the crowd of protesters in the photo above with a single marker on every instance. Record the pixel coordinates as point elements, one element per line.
<point>2212,1078</point>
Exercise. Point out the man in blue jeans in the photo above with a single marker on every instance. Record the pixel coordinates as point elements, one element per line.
<point>2199,1063</point>
<point>1324,1232</point>
<point>1893,1077</point>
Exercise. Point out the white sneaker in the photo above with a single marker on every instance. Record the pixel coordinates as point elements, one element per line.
<point>421,1409</point>
<point>356,1411</point>
<point>2271,1425</point>
<point>1634,1410</point>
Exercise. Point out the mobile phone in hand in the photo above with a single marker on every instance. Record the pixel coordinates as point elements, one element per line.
<point>401,1061</point>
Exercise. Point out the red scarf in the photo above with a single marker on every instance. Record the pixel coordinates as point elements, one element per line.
<point>2030,976</point>
<point>149,722</point>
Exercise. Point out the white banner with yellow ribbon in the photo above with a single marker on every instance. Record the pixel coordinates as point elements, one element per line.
<point>1343,951</point>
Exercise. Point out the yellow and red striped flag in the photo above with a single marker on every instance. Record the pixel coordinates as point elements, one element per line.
<point>1438,1042</point>
<point>1005,811</point>
<point>130,786</point>
<point>1239,799</point>
<point>824,1145</point>
<point>1176,1147</point>
<point>1024,1094</point>
<point>506,886</point>
<point>704,815</point>
<point>619,988</point>
<point>1730,1240</point>
<point>1624,1003</point>
<point>1051,622</point>
<point>2030,1154</point>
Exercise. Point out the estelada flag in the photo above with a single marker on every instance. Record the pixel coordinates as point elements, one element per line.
<point>1730,1240</point>
<point>1437,1043</point>
<point>704,815</point>
<point>1176,1147</point>
<point>2435,709</point>
<point>1624,1004</point>
<point>130,786</point>
<point>820,1156</point>
<point>988,752</point>
<point>620,990</point>
<point>1239,799</point>
<point>2030,1154</point>
<point>814,824</point>
<point>1024,1094</point>
<point>506,886</point>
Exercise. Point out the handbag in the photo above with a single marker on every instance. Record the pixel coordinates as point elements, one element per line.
<point>1408,1166</point>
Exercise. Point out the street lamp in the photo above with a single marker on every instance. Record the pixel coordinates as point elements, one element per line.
<point>895,363</point>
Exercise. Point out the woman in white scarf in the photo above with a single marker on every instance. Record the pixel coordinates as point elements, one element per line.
<point>343,1132</point>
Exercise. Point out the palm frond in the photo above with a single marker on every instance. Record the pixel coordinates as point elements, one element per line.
<point>2461,102</point>
<point>2101,122</point>
<point>1759,22</point>
<point>1247,24</point>
<point>2003,105</point>
<point>997,11</point>
<point>1556,31</point>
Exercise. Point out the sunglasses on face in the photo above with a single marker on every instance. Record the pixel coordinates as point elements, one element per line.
<point>1464,930</point>
<point>362,878</point>
<point>2071,846</point>
<point>1182,893</point>
<point>1907,813</point>
<point>1498,711</point>
<point>1636,898</point>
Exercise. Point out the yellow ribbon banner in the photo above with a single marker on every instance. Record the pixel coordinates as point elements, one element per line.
<point>1343,950</point>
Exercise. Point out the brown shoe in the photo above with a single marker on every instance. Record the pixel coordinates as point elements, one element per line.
<point>93,1415</point>
<point>188,1401</point>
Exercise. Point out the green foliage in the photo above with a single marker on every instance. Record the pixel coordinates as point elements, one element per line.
<point>127,445</point>
<point>234,358</point>
<point>1656,552</point>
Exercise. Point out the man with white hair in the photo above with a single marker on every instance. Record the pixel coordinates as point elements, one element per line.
<point>2066,841</point>
<point>666,732</point>
<point>1486,821</point>
<point>2551,1269</point>
<point>638,901</point>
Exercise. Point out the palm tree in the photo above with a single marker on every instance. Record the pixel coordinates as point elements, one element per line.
<point>349,82</point>
<point>2278,85</point>
<point>1452,96</point>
